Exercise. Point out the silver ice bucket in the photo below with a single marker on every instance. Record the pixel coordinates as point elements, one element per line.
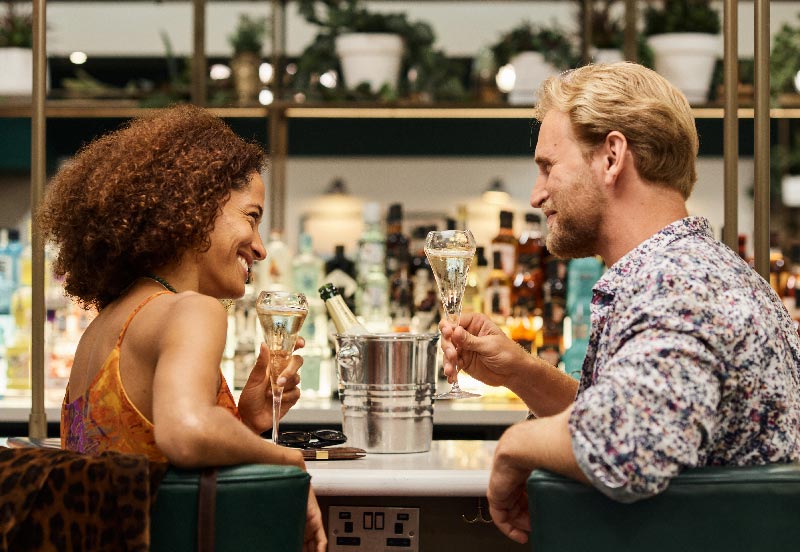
<point>386,384</point>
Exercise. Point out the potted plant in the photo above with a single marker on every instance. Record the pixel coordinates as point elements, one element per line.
<point>379,54</point>
<point>785,173</point>
<point>534,53</point>
<point>247,42</point>
<point>684,38</point>
<point>784,65</point>
<point>16,54</point>
<point>607,31</point>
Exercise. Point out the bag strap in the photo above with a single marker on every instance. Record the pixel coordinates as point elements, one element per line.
<point>206,509</point>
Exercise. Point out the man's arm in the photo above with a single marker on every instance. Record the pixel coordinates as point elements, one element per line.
<point>536,444</point>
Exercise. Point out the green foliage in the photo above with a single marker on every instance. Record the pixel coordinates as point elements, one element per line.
<point>552,42</point>
<point>432,74</point>
<point>681,16</point>
<point>784,60</point>
<point>16,30</point>
<point>249,34</point>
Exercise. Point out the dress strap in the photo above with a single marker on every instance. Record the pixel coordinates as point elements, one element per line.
<point>134,313</point>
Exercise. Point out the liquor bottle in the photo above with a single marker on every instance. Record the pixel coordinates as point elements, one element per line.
<point>401,295</point>
<point>275,272</point>
<point>778,274</point>
<point>791,296</point>
<point>505,243</point>
<point>11,252</point>
<point>522,327</point>
<point>372,296</point>
<point>497,295</point>
<point>529,277</point>
<point>18,349</point>
<point>582,274</point>
<point>416,250</point>
<point>742,250</point>
<point>342,317</point>
<point>555,289</point>
<point>426,303</point>
<point>307,268</point>
<point>244,342</point>
<point>401,301</point>
<point>341,272</point>
<point>473,292</point>
<point>531,242</point>
<point>307,273</point>
<point>3,362</point>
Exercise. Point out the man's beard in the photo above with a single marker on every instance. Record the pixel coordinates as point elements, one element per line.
<point>578,221</point>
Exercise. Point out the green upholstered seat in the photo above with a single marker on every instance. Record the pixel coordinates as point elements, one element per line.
<point>705,509</point>
<point>258,507</point>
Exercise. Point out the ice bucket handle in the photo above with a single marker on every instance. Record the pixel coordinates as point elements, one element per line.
<point>349,356</point>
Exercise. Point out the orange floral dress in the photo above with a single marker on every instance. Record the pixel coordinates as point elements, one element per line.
<point>104,418</point>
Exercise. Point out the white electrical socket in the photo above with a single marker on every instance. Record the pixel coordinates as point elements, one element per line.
<point>373,528</point>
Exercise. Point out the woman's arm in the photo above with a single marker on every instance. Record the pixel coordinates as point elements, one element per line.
<point>190,429</point>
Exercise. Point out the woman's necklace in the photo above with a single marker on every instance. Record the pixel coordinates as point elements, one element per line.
<point>161,281</point>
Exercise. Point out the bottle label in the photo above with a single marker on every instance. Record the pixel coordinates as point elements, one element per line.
<point>508,257</point>
<point>498,300</point>
<point>371,254</point>
<point>6,268</point>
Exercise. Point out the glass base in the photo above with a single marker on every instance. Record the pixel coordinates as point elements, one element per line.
<point>456,394</point>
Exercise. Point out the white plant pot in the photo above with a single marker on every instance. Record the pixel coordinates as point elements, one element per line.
<point>373,58</point>
<point>687,61</point>
<point>790,190</point>
<point>607,55</point>
<point>530,70</point>
<point>16,76</point>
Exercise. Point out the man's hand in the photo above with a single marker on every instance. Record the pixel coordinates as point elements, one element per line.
<point>536,444</point>
<point>481,349</point>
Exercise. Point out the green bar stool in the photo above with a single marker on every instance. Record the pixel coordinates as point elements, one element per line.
<point>258,507</point>
<point>754,508</point>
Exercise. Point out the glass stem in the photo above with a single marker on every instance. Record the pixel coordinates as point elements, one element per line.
<point>277,396</point>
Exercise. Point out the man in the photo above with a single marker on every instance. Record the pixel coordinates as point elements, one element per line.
<point>692,359</point>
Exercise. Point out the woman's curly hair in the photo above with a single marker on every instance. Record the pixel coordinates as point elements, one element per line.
<point>140,197</point>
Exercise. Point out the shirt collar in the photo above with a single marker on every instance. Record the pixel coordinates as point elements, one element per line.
<point>618,273</point>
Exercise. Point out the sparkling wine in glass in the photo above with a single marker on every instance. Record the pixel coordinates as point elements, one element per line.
<point>281,314</point>
<point>450,253</point>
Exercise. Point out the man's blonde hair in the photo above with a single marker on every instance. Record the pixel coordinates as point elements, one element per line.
<point>654,116</point>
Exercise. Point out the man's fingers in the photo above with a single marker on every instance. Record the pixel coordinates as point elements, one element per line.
<point>503,522</point>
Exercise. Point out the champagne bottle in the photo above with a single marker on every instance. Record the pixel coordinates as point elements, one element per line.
<point>343,318</point>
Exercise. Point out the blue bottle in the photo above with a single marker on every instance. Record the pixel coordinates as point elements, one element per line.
<point>581,277</point>
<point>9,272</point>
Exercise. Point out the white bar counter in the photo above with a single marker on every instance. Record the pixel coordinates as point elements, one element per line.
<point>449,469</point>
<point>310,411</point>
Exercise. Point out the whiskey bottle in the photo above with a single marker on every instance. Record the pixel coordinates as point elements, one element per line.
<point>505,243</point>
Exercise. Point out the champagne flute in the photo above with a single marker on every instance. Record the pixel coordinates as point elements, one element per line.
<point>450,253</point>
<point>281,314</point>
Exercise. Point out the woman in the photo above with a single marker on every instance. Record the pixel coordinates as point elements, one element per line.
<point>155,223</point>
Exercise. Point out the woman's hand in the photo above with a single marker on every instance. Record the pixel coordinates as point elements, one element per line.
<point>314,539</point>
<point>255,402</point>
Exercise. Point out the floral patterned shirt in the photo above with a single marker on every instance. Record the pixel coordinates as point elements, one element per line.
<point>692,361</point>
